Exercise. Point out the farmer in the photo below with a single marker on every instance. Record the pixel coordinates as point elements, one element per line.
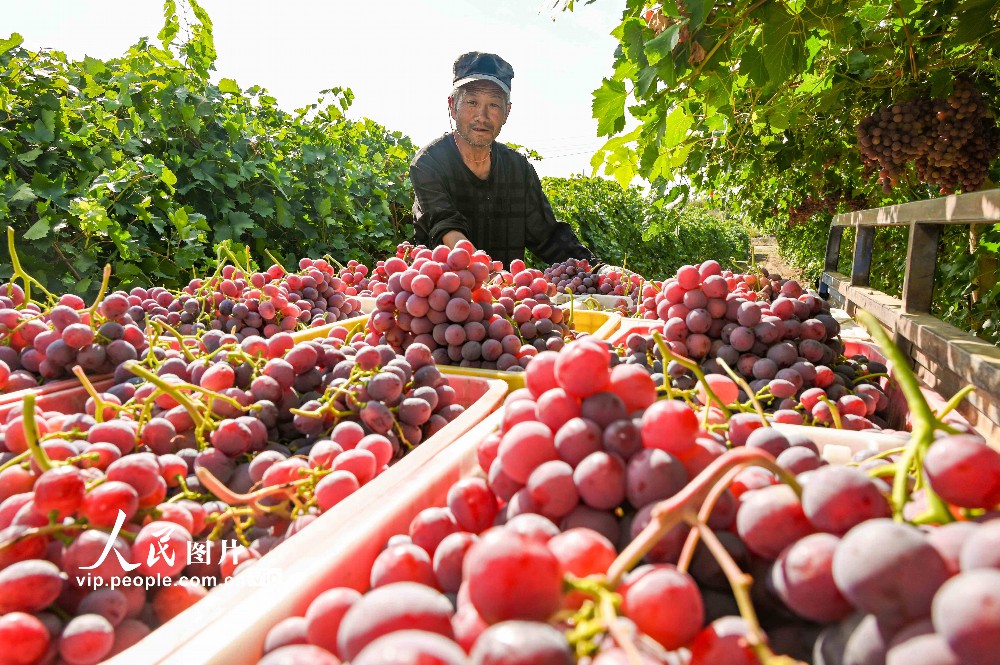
<point>467,185</point>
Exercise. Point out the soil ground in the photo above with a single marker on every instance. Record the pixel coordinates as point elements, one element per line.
<point>765,253</point>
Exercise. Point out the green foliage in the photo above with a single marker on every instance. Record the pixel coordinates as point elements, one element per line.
<point>758,100</point>
<point>626,227</point>
<point>141,161</point>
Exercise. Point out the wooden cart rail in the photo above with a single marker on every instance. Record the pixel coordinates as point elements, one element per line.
<point>945,357</point>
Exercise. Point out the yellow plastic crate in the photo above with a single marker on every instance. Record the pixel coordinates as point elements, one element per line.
<point>319,332</point>
<point>514,380</point>
<point>597,301</point>
<point>599,324</point>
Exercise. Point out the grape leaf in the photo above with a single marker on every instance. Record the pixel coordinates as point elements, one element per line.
<point>229,86</point>
<point>609,107</point>
<point>974,20</point>
<point>662,45</point>
<point>22,195</point>
<point>782,45</point>
<point>38,230</point>
<point>677,124</point>
<point>11,42</point>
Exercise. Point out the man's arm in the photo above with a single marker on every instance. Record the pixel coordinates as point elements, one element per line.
<point>549,239</point>
<point>434,213</point>
<point>451,238</point>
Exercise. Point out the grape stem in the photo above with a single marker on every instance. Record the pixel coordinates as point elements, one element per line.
<point>333,261</point>
<point>51,529</point>
<point>354,331</point>
<point>101,292</point>
<point>186,492</point>
<point>693,367</point>
<point>922,435</point>
<point>596,617</point>
<point>683,506</point>
<point>269,255</point>
<point>99,403</point>
<point>882,471</point>
<point>31,434</point>
<point>718,489</point>
<point>183,348</point>
<point>834,412</point>
<point>687,553</point>
<point>609,614</point>
<point>867,377</point>
<point>746,388</point>
<point>220,264</point>
<point>14,461</point>
<point>19,271</point>
<point>234,259</point>
<point>223,493</point>
<point>184,400</point>
<point>402,437</point>
<point>955,400</point>
<point>741,583</point>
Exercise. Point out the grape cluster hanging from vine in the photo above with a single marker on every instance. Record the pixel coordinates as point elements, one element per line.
<point>951,141</point>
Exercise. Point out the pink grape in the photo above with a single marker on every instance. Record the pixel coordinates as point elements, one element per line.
<point>26,638</point>
<point>664,603</point>
<point>671,426</point>
<point>402,563</point>
<point>399,606</point>
<point>86,639</point>
<point>964,471</point>
<point>473,505</point>
<point>582,368</point>
<point>334,488</point>
<point>411,647</point>
<point>525,446</point>
<point>325,613</point>
<point>29,586</point>
<point>496,568</point>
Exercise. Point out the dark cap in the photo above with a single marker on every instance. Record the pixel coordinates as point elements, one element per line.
<point>476,66</point>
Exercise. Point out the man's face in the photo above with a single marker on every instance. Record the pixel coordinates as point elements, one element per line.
<point>480,112</point>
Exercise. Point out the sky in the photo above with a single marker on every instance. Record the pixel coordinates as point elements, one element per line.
<point>396,56</point>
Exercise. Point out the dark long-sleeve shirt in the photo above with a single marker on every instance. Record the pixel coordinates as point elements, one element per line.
<point>501,215</point>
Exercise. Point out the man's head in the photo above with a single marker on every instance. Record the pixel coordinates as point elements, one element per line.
<point>480,101</point>
<point>476,66</point>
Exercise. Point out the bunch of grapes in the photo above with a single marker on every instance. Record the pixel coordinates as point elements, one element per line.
<point>577,277</point>
<point>786,348</point>
<point>620,283</point>
<point>573,276</point>
<point>255,304</point>
<point>356,279</point>
<point>830,203</point>
<point>584,479</point>
<point>652,296</point>
<point>847,393</point>
<point>46,344</point>
<point>950,141</point>
<point>191,448</point>
<point>378,280</point>
<point>709,284</point>
<point>445,302</point>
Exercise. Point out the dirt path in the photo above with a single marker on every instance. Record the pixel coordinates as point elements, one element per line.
<point>765,253</point>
